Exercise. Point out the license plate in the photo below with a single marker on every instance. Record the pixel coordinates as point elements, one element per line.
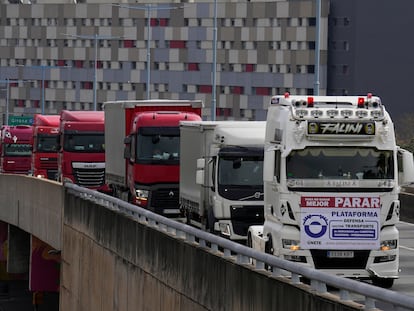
<point>340,254</point>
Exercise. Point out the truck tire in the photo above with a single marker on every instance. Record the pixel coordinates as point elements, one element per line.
<point>269,250</point>
<point>383,282</point>
<point>211,219</point>
<point>249,242</point>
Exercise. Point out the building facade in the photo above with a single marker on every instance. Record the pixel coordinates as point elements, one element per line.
<point>53,54</point>
<point>370,50</point>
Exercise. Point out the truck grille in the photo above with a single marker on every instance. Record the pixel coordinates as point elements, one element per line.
<point>164,198</point>
<point>89,178</point>
<point>52,174</point>
<point>243,217</point>
<point>322,261</point>
<point>48,164</point>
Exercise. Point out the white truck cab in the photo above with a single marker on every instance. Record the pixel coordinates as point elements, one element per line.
<point>332,175</point>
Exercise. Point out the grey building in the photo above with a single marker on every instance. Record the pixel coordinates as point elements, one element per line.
<point>264,48</point>
<point>371,50</point>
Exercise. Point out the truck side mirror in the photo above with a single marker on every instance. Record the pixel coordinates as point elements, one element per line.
<point>127,152</point>
<point>127,148</point>
<point>268,162</point>
<point>127,140</point>
<point>406,171</point>
<point>200,177</point>
<point>58,145</point>
<point>201,164</point>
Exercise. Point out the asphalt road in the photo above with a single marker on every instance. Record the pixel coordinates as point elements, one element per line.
<point>405,283</point>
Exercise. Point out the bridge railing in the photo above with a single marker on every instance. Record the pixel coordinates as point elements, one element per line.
<point>319,280</point>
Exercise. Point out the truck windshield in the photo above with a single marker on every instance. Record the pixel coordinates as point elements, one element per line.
<point>91,142</point>
<point>340,163</point>
<point>158,145</point>
<point>17,150</point>
<point>240,171</point>
<point>46,143</point>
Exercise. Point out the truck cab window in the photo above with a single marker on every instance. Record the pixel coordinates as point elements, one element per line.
<point>17,150</point>
<point>155,145</point>
<point>46,143</point>
<point>94,142</point>
<point>343,163</point>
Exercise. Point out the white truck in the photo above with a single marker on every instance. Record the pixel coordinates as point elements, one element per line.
<point>332,176</point>
<point>221,175</point>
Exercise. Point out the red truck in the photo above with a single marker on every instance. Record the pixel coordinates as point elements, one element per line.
<point>81,158</point>
<point>16,146</point>
<point>142,145</point>
<point>45,143</point>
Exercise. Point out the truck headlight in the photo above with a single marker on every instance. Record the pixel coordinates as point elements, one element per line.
<point>388,245</point>
<point>293,245</point>
<point>224,229</point>
<point>141,197</point>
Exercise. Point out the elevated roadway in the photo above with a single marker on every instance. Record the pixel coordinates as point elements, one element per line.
<point>118,257</point>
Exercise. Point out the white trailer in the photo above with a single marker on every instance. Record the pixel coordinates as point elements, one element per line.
<point>332,175</point>
<point>221,175</point>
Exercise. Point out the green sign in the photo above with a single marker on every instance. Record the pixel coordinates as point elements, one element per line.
<point>20,120</point>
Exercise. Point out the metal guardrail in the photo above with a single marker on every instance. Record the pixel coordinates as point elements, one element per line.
<point>244,255</point>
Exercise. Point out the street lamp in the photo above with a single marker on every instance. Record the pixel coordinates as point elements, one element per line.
<point>214,69</point>
<point>148,8</point>
<point>317,47</point>
<point>96,37</point>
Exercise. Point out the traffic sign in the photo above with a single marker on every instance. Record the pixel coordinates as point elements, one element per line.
<point>20,120</point>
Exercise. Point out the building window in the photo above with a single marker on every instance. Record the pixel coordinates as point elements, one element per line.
<point>263,91</point>
<point>310,68</point>
<point>345,69</point>
<point>178,44</point>
<point>346,21</point>
<point>311,45</point>
<point>193,67</point>
<point>224,112</point>
<point>163,22</point>
<point>129,43</point>
<point>154,22</point>
<point>87,85</point>
<point>249,67</point>
<point>237,90</point>
<point>207,89</point>
<point>312,21</point>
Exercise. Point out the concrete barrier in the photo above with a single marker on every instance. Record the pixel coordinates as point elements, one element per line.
<point>34,205</point>
<point>113,262</point>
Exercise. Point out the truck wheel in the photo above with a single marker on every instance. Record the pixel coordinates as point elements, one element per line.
<point>187,216</point>
<point>211,221</point>
<point>249,242</point>
<point>383,282</point>
<point>269,250</point>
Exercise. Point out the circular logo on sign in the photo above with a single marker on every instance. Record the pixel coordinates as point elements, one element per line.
<point>315,225</point>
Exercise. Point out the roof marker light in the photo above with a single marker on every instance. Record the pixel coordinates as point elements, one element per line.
<point>310,101</point>
<point>369,95</point>
<point>361,102</point>
<point>287,95</point>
